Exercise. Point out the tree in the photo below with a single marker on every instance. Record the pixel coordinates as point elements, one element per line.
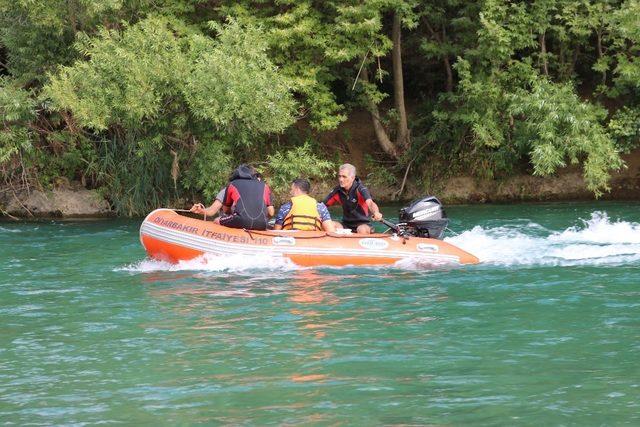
<point>363,25</point>
<point>166,91</point>
<point>509,109</point>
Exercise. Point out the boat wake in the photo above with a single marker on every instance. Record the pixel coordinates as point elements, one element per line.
<point>210,262</point>
<point>598,241</point>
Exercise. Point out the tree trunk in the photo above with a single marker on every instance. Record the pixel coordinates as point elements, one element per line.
<point>72,9</point>
<point>402,133</point>
<point>395,147</point>
<point>445,58</point>
<point>381,134</point>
<point>447,63</point>
<point>574,59</point>
<point>543,53</point>
<point>600,55</point>
<point>447,66</point>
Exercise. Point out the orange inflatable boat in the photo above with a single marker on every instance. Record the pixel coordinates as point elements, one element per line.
<point>169,236</point>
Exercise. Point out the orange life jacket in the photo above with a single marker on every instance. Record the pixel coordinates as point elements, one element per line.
<point>303,215</point>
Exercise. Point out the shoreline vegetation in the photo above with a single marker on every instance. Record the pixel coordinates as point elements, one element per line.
<point>71,200</point>
<point>125,106</point>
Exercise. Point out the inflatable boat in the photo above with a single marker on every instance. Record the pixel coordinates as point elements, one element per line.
<point>169,236</point>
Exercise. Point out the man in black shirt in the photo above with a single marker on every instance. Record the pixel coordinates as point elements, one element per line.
<point>356,201</point>
<point>246,201</point>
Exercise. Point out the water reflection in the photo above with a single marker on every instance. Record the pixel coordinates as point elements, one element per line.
<point>310,291</point>
<point>308,287</point>
<point>206,310</point>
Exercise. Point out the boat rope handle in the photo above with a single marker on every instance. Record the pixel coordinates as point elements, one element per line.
<point>250,232</point>
<point>324,234</point>
<point>189,211</point>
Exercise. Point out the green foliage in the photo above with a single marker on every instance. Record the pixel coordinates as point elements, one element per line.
<point>624,127</point>
<point>516,99</point>
<point>225,81</point>
<point>17,111</point>
<point>624,36</point>
<point>379,174</point>
<point>210,168</point>
<point>39,34</point>
<point>559,126</point>
<point>505,30</point>
<point>133,76</point>
<point>297,34</point>
<point>129,77</point>
<point>515,113</point>
<point>16,104</point>
<point>451,28</point>
<point>135,184</point>
<point>282,167</point>
<point>317,44</point>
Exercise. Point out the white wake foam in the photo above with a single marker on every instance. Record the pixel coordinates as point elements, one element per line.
<point>598,241</point>
<point>210,262</point>
<point>9,230</point>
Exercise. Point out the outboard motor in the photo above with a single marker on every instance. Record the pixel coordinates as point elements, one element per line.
<point>424,218</point>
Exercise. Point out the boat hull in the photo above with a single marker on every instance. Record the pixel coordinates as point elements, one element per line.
<point>171,237</point>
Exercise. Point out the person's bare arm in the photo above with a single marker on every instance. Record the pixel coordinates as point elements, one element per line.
<point>271,211</point>
<point>199,208</point>
<point>328,226</point>
<point>214,208</point>
<point>375,211</point>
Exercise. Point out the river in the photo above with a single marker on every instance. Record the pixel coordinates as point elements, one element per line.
<point>545,331</point>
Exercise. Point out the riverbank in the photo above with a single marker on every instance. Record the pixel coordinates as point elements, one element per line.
<point>74,201</point>
<point>566,185</point>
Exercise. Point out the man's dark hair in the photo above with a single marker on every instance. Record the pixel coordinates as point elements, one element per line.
<point>303,185</point>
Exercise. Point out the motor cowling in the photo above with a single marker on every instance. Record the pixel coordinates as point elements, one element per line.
<point>424,218</point>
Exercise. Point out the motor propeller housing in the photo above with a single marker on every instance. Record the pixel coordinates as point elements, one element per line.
<point>424,218</point>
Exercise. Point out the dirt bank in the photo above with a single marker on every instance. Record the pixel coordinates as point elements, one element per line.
<point>69,201</point>
<point>567,184</point>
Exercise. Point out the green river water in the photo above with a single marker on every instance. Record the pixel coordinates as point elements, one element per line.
<point>546,331</point>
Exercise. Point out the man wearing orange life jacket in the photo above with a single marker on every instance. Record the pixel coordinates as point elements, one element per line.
<point>303,212</point>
